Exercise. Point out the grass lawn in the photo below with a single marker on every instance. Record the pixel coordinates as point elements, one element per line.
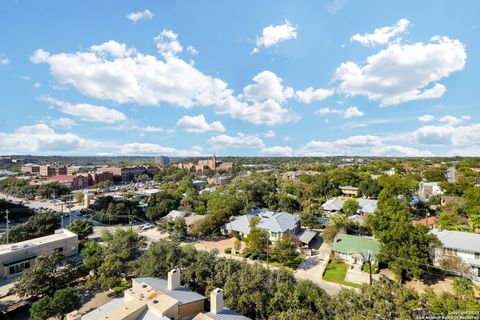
<point>336,272</point>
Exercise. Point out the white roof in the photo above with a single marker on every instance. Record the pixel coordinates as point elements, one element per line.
<point>465,241</point>
<point>59,234</point>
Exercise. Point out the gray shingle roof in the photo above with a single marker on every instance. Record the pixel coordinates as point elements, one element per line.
<point>269,220</point>
<point>182,294</point>
<point>466,241</point>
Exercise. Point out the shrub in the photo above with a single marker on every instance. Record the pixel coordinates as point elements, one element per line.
<point>228,250</point>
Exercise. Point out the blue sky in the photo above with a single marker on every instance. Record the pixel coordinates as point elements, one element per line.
<point>246,78</point>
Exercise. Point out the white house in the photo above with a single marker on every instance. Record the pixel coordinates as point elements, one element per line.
<point>464,245</point>
<point>429,189</point>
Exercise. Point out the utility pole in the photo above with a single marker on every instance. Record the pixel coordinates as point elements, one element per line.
<point>370,265</point>
<point>7,212</point>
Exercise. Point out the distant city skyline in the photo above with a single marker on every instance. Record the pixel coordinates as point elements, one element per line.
<point>275,78</point>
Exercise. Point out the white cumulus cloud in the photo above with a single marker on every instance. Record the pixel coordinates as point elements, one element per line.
<point>350,112</point>
<point>404,72</point>
<point>199,124</point>
<point>426,118</point>
<point>277,151</point>
<point>150,149</point>
<point>40,138</point>
<point>140,15</point>
<point>381,35</point>
<point>272,35</point>
<point>87,112</point>
<point>311,95</point>
<point>239,141</point>
<point>112,71</point>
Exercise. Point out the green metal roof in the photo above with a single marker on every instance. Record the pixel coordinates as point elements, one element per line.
<point>347,243</point>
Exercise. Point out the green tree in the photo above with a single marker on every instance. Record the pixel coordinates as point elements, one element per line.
<point>161,204</point>
<point>288,203</point>
<point>92,254</point>
<point>39,225</point>
<point>176,228</point>
<point>284,250</point>
<point>83,228</point>
<point>42,309</point>
<point>405,247</point>
<point>257,242</point>
<point>350,207</point>
<point>63,301</point>
<point>44,277</point>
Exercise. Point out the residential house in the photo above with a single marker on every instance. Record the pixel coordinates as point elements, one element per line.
<point>349,191</point>
<point>175,214</point>
<point>366,206</point>
<point>464,245</point>
<point>16,257</point>
<point>218,180</point>
<point>429,189</point>
<point>276,223</point>
<point>355,250</point>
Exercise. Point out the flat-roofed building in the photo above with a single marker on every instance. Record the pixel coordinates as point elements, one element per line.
<point>30,168</point>
<point>16,257</point>
<point>150,298</point>
<point>162,160</point>
<point>55,170</point>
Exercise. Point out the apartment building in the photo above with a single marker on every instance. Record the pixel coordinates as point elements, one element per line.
<point>55,170</point>
<point>162,160</point>
<point>30,168</point>
<point>16,257</point>
<point>127,174</point>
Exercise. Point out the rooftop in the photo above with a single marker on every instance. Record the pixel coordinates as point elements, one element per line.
<point>347,243</point>
<point>269,220</point>
<point>465,241</point>
<point>58,235</point>
<point>182,294</point>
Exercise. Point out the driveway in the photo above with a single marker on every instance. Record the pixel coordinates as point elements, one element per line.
<point>312,268</point>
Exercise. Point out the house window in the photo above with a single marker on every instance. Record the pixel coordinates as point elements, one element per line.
<point>19,267</point>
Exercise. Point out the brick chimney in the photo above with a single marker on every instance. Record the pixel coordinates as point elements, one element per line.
<point>174,279</point>
<point>216,301</point>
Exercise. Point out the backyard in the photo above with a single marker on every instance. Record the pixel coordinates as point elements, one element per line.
<point>336,272</point>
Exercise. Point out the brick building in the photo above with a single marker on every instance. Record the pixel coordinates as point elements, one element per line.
<point>48,170</point>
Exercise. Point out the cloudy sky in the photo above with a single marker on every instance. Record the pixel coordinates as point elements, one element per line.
<point>336,77</point>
